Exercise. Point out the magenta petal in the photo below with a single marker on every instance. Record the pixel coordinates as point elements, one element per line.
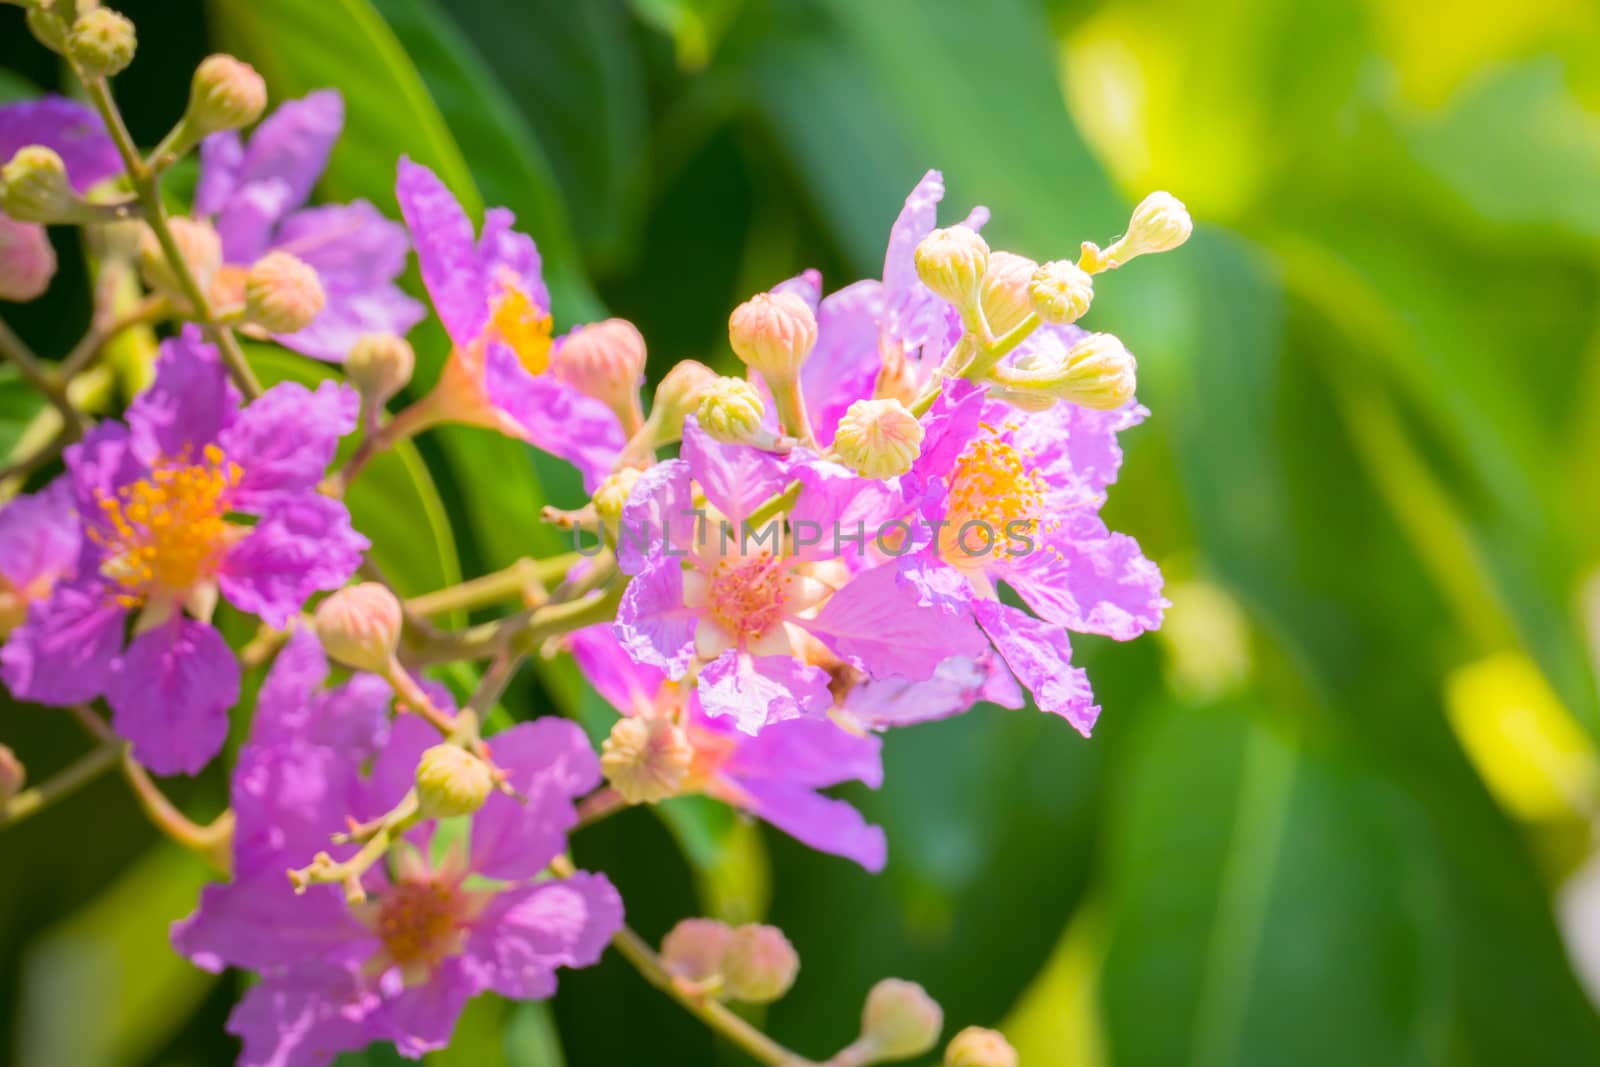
<point>190,403</point>
<point>351,246</point>
<point>39,536</point>
<point>99,465</point>
<point>753,691</point>
<point>507,256</point>
<point>1076,449</point>
<point>844,365</point>
<point>70,129</point>
<point>352,719</point>
<point>820,822</point>
<point>659,513</point>
<point>288,798</point>
<point>653,623</point>
<point>285,439</point>
<point>259,922</point>
<point>530,931</point>
<point>420,1019</point>
<point>246,224</point>
<point>331,335</point>
<point>809,752</point>
<point>442,235</point>
<point>66,650</point>
<point>1040,655</point>
<point>1090,580</point>
<point>953,689</point>
<point>878,623</point>
<point>554,416</point>
<point>735,478</point>
<point>303,545</point>
<point>549,762</point>
<point>627,685</point>
<point>221,157</point>
<point>302,1018</point>
<point>286,155</point>
<point>171,693</point>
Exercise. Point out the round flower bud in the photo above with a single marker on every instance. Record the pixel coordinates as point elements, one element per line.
<point>34,187</point>
<point>1159,224</point>
<point>1004,294</point>
<point>878,438</point>
<point>900,1020</point>
<point>677,396</point>
<point>359,626</point>
<point>379,365</point>
<point>197,242</point>
<point>282,293</point>
<point>1098,372</point>
<point>952,262</point>
<point>226,94</point>
<point>773,333</point>
<point>977,1047</point>
<point>612,495</point>
<point>12,775</point>
<point>101,43</point>
<point>604,360</point>
<point>760,964</point>
<point>695,948</point>
<point>730,410</point>
<point>646,760</point>
<point>27,260</point>
<point>1061,292</point>
<point>451,781</point>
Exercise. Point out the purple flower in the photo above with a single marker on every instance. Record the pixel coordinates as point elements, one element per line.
<point>432,934</point>
<point>256,194</point>
<point>38,547</point>
<point>774,777</point>
<point>157,499</point>
<point>491,297</point>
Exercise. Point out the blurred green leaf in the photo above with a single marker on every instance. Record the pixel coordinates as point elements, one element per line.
<point>19,403</point>
<point>695,26</point>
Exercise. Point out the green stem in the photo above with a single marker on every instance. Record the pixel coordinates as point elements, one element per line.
<point>504,584</point>
<point>16,351</point>
<point>774,506</point>
<point>79,774</point>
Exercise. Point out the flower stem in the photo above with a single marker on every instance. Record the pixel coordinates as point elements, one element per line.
<point>602,803</point>
<point>34,373</point>
<point>504,584</point>
<point>63,784</point>
<point>775,505</point>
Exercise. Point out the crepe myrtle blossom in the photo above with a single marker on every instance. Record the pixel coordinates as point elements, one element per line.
<point>491,297</point>
<point>74,132</point>
<point>254,193</point>
<point>160,501</point>
<point>756,616</point>
<point>39,539</point>
<point>441,925</point>
<point>774,776</point>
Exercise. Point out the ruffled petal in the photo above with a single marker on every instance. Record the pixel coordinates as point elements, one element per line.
<point>1090,580</point>
<point>289,150</point>
<point>303,545</point>
<point>659,513</point>
<point>421,1019</point>
<point>653,623</point>
<point>626,684</point>
<point>285,439</point>
<point>549,762</point>
<point>753,691</point>
<point>442,235</point>
<point>1040,655</point>
<point>302,1018</point>
<point>954,688</point>
<point>553,416</point>
<point>736,479</point>
<point>530,931</point>
<point>808,752</point>
<point>190,403</point>
<point>221,157</point>
<point>67,649</point>
<point>170,695</point>
<point>260,923</point>
<point>39,537</point>
<point>883,626</point>
<point>843,367</point>
<point>505,256</point>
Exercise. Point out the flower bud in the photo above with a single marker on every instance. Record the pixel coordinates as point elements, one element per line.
<point>695,948</point>
<point>760,964</point>
<point>34,187</point>
<point>612,495</point>
<point>1160,223</point>
<point>451,781</point>
<point>1060,292</point>
<point>730,410</point>
<point>977,1047</point>
<point>1097,372</point>
<point>27,260</point>
<point>226,94</point>
<point>12,775</point>
<point>282,293</point>
<point>379,365</point>
<point>773,333</point>
<point>359,626</point>
<point>604,360</point>
<point>677,396</point>
<point>101,43</point>
<point>47,26</point>
<point>1004,294</point>
<point>952,262</point>
<point>878,438</point>
<point>899,1021</point>
<point>646,760</point>
<point>197,242</point>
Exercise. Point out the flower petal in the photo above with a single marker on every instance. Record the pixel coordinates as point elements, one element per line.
<point>1090,580</point>
<point>554,416</point>
<point>549,762</point>
<point>39,536</point>
<point>66,651</point>
<point>170,695</point>
<point>753,691</point>
<point>735,478</point>
<point>1040,655</point>
<point>303,545</point>
<point>530,931</point>
<point>653,623</point>
<point>72,130</point>
<point>820,822</point>
<point>284,440</point>
<point>883,626</point>
<point>660,512</point>
<point>442,235</point>
<point>190,403</point>
<point>302,1018</point>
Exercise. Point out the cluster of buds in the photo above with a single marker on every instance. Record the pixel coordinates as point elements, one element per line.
<point>753,963</point>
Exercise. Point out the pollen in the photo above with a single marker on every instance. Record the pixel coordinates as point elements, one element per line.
<point>519,323</point>
<point>421,924</point>
<point>996,500</point>
<point>167,532</point>
<point>748,596</point>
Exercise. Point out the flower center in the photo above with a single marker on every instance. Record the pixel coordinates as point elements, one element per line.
<point>168,531</point>
<point>421,924</point>
<point>747,596</point>
<point>520,324</point>
<point>996,503</point>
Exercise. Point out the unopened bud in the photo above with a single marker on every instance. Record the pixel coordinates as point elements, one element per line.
<point>1004,293</point>
<point>677,396</point>
<point>1160,223</point>
<point>773,333</point>
<point>977,1047</point>
<point>604,360</point>
<point>1061,292</point>
<point>878,438</point>
<point>451,781</point>
<point>226,94</point>
<point>27,260</point>
<point>197,243</point>
<point>646,760</point>
<point>1097,372</point>
<point>899,1021</point>
<point>12,775</point>
<point>282,293</point>
<point>695,948</point>
<point>952,262</point>
<point>359,626</point>
<point>760,964</point>
<point>730,410</point>
<point>379,365</point>
<point>612,496</point>
<point>101,43</point>
<point>34,187</point>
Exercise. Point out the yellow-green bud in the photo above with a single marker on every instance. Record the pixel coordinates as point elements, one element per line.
<point>359,626</point>
<point>1061,292</point>
<point>695,948</point>
<point>977,1047</point>
<point>34,187</point>
<point>773,333</point>
<point>899,1021</point>
<point>1098,372</point>
<point>197,242</point>
<point>282,293</point>
<point>1160,223</point>
<point>878,438</point>
<point>27,260</point>
<point>677,396</point>
<point>451,781</point>
<point>13,775</point>
<point>379,365</point>
<point>646,760</point>
<point>760,964</point>
<point>47,26</point>
<point>730,410</point>
<point>612,495</point>
<point>952,262</point>
<point>101,43</point>
<point>226,94</point>
<point>1004,294</point>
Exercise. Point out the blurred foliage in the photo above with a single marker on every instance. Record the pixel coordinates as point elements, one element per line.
<point>1323,820</point>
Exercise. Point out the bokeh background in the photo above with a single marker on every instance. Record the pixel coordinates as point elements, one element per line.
<point>1337,812</point>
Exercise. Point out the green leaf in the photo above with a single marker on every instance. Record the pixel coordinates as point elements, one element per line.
<point>20,403</point>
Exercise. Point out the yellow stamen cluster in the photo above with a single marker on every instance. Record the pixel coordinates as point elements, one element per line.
<point>995,486</point>
<point>420,923</point>
<point>519,323</point>
<point>168,531</point>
